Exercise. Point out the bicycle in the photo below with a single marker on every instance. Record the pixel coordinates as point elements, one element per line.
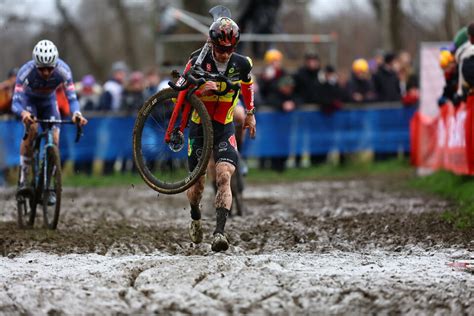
<point>46,178</point>
<point>160,131</point>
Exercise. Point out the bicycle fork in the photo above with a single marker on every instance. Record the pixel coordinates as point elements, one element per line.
<point>174,137</point>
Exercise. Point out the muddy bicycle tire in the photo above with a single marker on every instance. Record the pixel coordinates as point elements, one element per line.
<point>53,173</point>
<point>157,110</point>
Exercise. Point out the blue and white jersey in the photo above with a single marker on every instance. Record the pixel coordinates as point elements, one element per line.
<point>31,90</point>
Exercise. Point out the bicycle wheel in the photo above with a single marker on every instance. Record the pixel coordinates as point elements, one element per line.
<point>163,166</point>
<point>51,188</point>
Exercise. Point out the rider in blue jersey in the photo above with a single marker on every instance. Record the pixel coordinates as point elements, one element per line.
<point>35,96</point>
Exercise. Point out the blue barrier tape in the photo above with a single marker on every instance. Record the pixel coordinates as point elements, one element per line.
<point>383,130</point>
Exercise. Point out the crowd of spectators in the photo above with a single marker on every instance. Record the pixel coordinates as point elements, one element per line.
<point>390,79</point>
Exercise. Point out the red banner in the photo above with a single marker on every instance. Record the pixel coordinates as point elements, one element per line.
<point>445,141</point>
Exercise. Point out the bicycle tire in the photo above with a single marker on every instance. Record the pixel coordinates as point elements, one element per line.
<point>53,173</point>
<point>157,104</point>
<point>26,210</point>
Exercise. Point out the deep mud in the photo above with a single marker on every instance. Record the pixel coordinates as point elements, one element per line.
<point>329,247</point>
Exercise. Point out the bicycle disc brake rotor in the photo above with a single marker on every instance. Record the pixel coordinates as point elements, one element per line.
<point>176,140</point>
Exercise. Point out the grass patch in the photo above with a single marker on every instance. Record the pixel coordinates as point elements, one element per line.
<point>320,172</point>
<point>117,179</point>
<point>453,187</point>
<point>331,171</point>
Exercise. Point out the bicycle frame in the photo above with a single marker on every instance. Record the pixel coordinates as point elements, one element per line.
<point>48,134</point>
<point>186,110</point>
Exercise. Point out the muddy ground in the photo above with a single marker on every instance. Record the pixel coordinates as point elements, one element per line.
<point>328,247</point>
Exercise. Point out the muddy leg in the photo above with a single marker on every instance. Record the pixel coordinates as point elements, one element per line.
<point>194,197</point>
<point>223,203</point>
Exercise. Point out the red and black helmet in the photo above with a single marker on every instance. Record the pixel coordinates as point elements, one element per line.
<point>224,33</point>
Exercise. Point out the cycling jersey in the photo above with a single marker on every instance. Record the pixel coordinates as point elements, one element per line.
<point>37,95</point>
<point>221,108</point>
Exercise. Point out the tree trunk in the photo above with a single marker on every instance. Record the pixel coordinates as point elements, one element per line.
<point>89,56</point>
<point>450,21</point>
<point>390,16</point>
<point>127,32</point>
<point>395,25</point>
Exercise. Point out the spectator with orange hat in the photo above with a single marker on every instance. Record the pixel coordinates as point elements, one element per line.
<point>273,71</point>
<point>360,87</point>
<point>450,71</point>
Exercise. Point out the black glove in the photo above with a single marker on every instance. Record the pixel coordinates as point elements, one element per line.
<point>457,99</point>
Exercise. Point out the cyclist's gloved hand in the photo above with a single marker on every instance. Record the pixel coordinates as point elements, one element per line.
<point>208,88</point>
<point>77,117</point>
<point>251,124</point>
<point>457,99</point>
<point>27,118</point>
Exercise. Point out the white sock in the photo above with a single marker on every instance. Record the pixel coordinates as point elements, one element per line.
<point>25,163</point>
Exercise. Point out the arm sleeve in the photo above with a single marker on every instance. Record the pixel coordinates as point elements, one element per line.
<point>71,95</point>
<point>247,86</point>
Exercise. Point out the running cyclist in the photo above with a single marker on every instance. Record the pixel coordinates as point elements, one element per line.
<point>35,96</point>
<point>224,35</point>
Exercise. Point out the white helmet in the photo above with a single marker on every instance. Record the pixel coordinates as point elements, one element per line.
<point>45,54</point>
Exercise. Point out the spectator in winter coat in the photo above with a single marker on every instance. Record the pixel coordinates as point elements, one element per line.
<point>387,84</point>
<point>285,100</point>
<point>331,92</point>
<point>88,93</point>
<point>133,95</point>
<point>308,79</point>
<point>111,98</point>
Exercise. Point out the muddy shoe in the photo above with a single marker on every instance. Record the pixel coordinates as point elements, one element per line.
<point>24,190</point>
<point>220,243</point>
<point>195,231</point>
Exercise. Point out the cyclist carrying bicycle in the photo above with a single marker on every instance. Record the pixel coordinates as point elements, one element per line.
<point>35,96</point>
<point>224,35</point>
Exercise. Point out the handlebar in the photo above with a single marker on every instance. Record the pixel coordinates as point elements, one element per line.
<point>79,132</point>
<point>196,77</point>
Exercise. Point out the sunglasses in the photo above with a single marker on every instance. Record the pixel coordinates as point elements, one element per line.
<point>46,68</point>
<point>224,49</point>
